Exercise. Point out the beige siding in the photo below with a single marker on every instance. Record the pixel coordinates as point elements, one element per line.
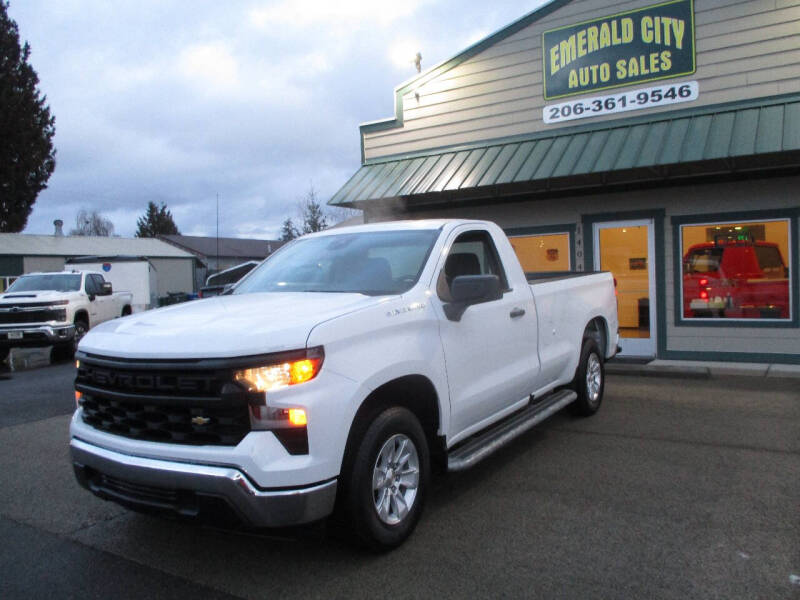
<point>745,49</point>
<point>43,264</point>
<point>174,275</point>
<point>680,201</point>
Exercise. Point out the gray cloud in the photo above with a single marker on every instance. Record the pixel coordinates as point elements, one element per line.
<point>178,101</point>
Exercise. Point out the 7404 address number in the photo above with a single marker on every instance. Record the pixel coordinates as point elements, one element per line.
<point>614,103</point>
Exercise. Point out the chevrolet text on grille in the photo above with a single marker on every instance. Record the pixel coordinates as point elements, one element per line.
<point>146,382</point>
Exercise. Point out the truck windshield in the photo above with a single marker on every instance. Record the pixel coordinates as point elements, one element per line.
<point>40,283</point>
<point>372,263</point>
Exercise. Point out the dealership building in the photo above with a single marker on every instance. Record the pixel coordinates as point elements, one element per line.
<point>658,141</point>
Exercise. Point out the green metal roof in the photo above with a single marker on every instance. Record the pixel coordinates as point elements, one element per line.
<point>718,139</point>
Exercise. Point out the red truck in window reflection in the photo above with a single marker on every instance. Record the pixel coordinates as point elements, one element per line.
<point>735,280</point>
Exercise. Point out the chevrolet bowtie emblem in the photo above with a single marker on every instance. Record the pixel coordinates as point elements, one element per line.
<point>200,420</point>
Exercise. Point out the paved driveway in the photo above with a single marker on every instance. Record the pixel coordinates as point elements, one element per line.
<point>675,489</point>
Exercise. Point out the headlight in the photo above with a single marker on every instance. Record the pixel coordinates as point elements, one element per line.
<point>281,375</point>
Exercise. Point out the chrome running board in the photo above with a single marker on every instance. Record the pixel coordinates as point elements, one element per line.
<point>500,434</point>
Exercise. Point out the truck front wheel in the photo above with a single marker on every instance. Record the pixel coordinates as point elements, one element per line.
<point>589,382</point>
<point>386,486</point>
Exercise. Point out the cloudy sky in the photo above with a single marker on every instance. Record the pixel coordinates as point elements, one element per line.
<point>177,101</point>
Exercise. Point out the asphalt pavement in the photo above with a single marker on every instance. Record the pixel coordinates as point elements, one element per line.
<point>677,488</point>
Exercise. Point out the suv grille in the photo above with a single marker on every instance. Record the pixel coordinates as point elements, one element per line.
<point>163,402</point>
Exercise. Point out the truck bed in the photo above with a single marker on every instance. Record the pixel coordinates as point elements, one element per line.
<point>534,277</point>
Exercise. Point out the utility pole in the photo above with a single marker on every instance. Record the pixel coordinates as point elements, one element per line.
<point>217,232</point>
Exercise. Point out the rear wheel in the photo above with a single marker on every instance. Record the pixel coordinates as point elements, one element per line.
<point>4,352</point>
<point>589,382</point>
<point>386,486</point>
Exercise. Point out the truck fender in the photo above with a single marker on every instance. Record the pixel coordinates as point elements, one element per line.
<point>415,392</point>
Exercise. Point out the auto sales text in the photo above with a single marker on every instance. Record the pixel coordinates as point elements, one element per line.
<point>663,31</point>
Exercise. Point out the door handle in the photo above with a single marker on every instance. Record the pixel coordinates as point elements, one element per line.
<point>517,312</point>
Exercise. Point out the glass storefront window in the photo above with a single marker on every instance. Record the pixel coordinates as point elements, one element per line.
<point>541,253</point>
<point>736,270</point>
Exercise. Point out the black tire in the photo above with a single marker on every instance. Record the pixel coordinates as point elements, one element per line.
<point>590,380</point>
<point>395,430</point>
<point>126,310</point>
<point>81,327</point>
<point>4,352</point>
<point>62,352</point>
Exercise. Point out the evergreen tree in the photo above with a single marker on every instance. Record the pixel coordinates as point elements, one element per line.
<point>288,230</point>
<point>314,217</point>
<point>156,221</point>
<point>27,156</point>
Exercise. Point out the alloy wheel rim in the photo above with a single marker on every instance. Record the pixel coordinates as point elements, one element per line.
<point>395,479</point>
<point>594,378</point>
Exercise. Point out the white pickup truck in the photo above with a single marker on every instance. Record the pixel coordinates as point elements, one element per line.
<point>43,309</point>
<point>335,376</point>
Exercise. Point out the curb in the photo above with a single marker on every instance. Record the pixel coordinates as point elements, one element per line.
<point>623,368</point>
<point>700,371</point>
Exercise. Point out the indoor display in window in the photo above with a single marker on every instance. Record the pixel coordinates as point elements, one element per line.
<point>624,252</point>
<point>736,270</point>
<point>541,253</point>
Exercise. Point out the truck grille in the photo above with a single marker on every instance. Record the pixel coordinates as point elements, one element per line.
<point>41,315</point>
<point>166,404</point>
<point>224,426</point>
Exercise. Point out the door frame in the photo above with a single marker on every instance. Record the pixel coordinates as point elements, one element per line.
<point>638,347</point>
<point>586,253</point>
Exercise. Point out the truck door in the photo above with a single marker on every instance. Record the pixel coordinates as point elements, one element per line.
<point>490,353</point>
<point>91,290</point>
<point>102,307</point>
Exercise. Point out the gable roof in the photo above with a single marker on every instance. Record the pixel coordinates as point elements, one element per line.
<point>228,247</point>
<point>444,66</point>
<point>25,244</point>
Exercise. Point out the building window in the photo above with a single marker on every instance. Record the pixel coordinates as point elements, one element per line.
<point>736,270</point>
<point>542,252</point>
<point>6,281</point>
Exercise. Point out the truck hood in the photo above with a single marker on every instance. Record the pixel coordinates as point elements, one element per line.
<point>37,296</point>
<point>223,326</point>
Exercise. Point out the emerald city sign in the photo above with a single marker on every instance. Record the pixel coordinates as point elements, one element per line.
<point>647,44</point>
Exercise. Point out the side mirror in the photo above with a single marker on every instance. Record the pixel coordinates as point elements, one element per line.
<point>106,290</point>
<point>466,290</point>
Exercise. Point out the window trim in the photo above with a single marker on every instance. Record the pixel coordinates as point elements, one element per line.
<point>504,285</point>
<point>568,228</point>
<point>788,215</point>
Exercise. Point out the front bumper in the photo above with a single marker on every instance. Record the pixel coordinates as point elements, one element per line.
<point>35,335</point>
<point>193,490</point>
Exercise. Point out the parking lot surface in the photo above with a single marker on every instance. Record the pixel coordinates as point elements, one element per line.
<point>675,489</point>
